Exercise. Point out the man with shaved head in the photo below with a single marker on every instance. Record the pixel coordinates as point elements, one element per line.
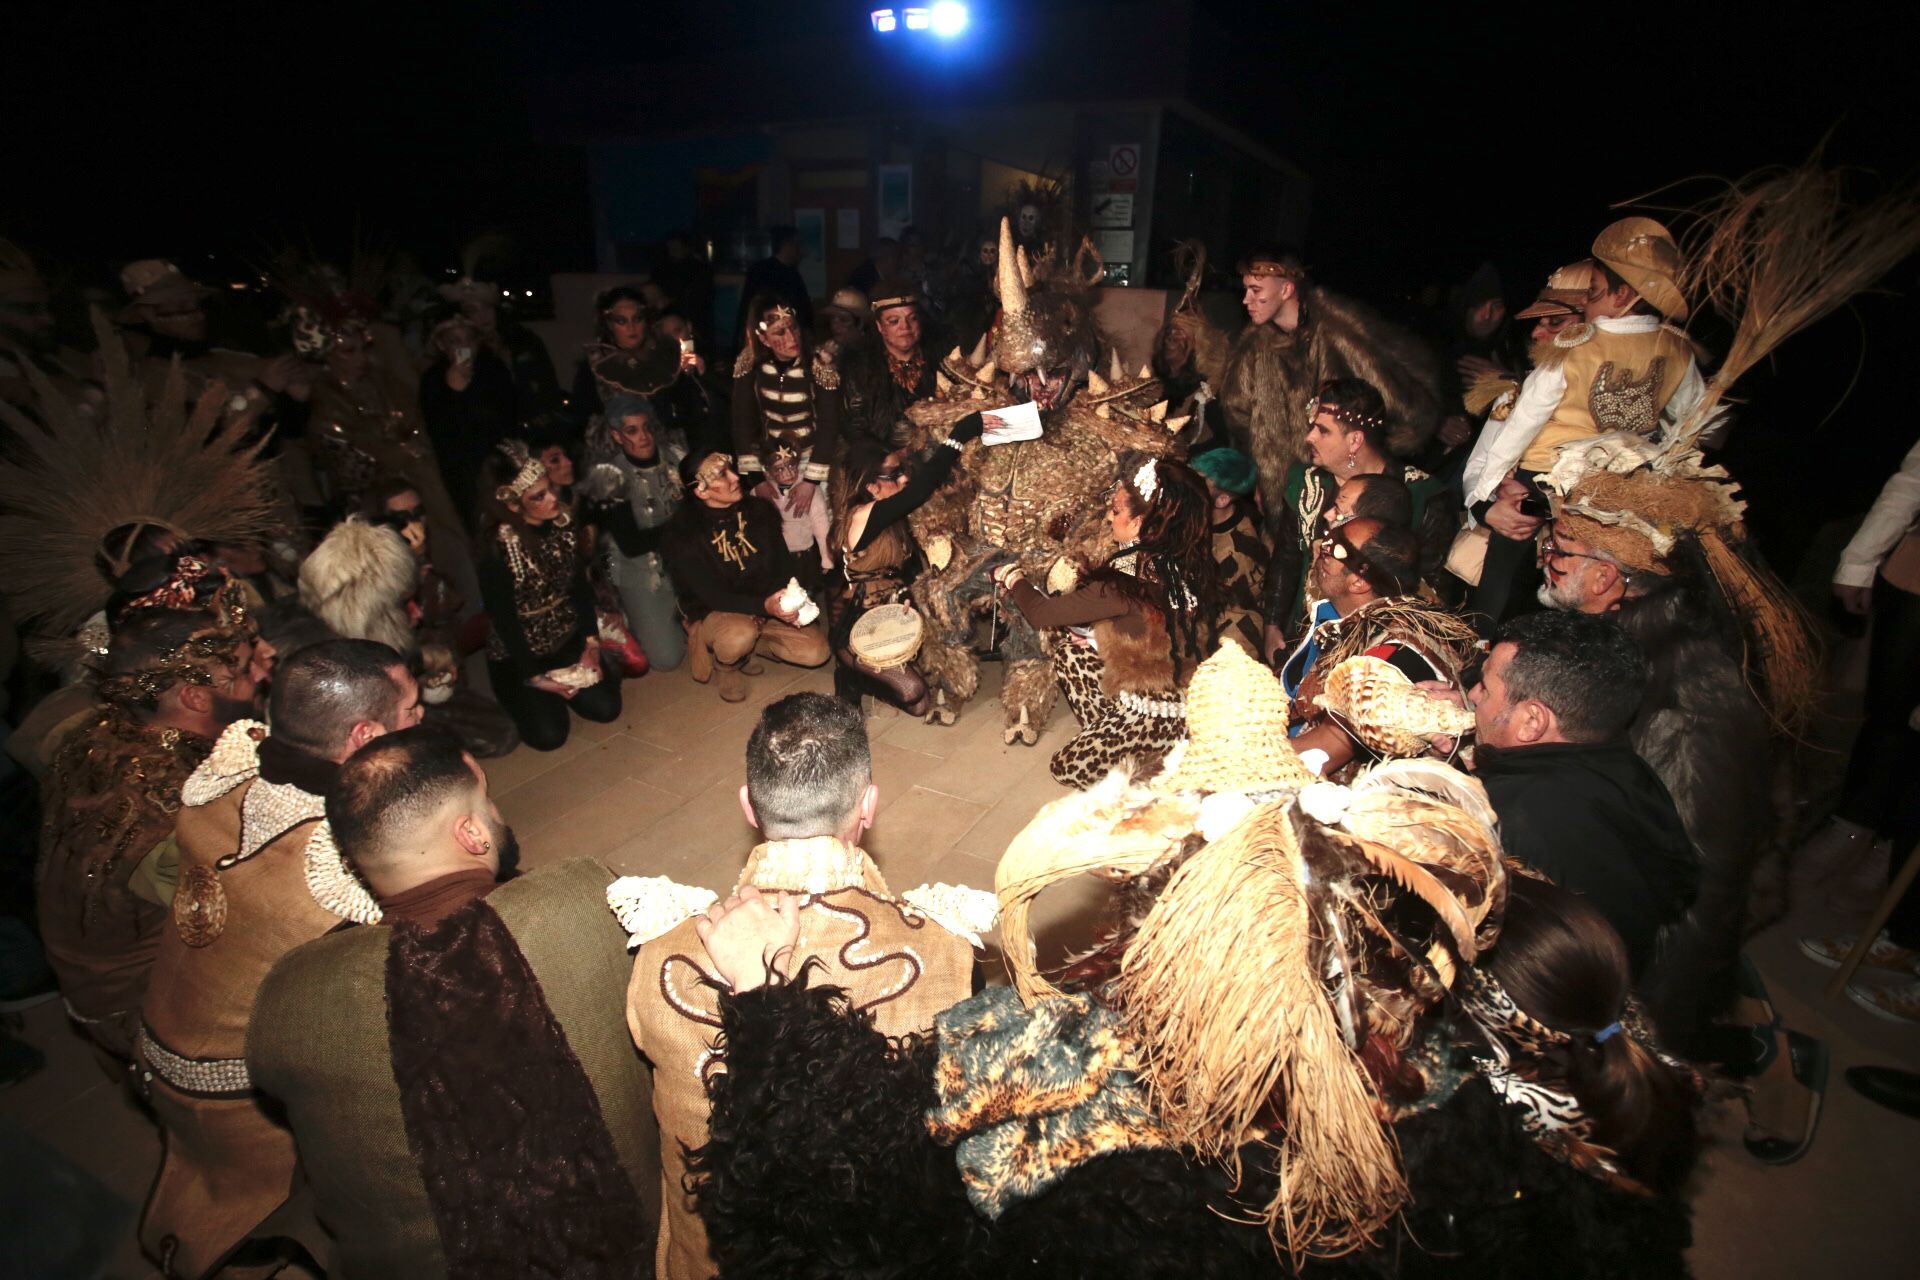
<point>458,1077</point>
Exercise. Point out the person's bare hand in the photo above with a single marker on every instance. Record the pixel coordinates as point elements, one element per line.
<point>802,496</point>
<point>1855,600</point>
<point>778,612</point>
<point>1455,430</point>
<point>1505,518</point>
<point>691,360</point>
<point>1443,690</point>
<point>1276,641</point>
<point>546,684</point>
<point>750,933</point>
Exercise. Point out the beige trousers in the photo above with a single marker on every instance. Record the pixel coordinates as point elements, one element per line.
<point>731,638</point>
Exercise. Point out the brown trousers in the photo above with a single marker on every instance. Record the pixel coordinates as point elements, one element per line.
<point>731,638</point>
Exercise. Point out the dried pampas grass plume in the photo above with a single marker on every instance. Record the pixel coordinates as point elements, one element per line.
<point>1221,992</point>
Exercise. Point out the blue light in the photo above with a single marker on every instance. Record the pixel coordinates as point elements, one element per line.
<point>917,19</point>
<point>884,21</point>
<point>949,18</point>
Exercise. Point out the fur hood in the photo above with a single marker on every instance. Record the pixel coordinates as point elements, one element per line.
<point>358,581</point>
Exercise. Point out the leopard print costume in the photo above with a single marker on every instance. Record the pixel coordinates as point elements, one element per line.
<point>1111,734</point>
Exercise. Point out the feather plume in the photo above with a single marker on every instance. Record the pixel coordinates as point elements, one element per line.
<point>1779,249</point>
<point>82,473</point>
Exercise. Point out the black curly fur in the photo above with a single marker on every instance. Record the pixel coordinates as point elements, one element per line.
<point>819,1164</point>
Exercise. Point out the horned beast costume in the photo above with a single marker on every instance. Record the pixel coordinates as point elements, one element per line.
<point>1382,1117</point>
<point>259,876</point>
<point>1272,373</point>
<point>1037,502</point>
<point>900,959</point>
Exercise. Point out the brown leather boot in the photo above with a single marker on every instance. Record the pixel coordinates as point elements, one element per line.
<point>732,681</point>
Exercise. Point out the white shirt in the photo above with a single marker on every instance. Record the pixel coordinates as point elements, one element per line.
<point>1502,444</point>
<point>1892,515</point>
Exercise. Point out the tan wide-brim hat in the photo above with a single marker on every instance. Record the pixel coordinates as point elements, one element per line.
<point>1644,254</point>
<point>154,283</point>
<point>1564,294</point>
<point>1236,730</point>
<point>848,301</point>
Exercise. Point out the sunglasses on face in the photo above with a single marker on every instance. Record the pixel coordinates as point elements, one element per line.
<point>893,474</point>
<point>1551,550</point>
<point>401,517</point>
<point>1336,547</point>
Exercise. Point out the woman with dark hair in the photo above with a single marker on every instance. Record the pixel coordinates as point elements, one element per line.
<point>783,395</point>
<point>633,354</point>
<point>1551,997</point>
<point>1131,636</point>
<point>875,490</point>
<point>633,488</point>
<point>544,653</point>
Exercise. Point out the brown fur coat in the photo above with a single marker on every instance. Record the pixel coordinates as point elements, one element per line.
<point>1272,374</point>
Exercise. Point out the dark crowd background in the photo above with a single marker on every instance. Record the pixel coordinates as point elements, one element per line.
<point>1436,136</point>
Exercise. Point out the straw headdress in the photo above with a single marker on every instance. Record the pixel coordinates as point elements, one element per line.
<point>1236,730</point>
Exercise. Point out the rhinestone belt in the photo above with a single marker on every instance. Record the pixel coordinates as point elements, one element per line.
<point>204,1077</point>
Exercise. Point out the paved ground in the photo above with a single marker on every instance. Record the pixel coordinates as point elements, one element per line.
<point>655,793</point>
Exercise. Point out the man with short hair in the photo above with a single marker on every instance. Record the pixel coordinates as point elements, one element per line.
<point>1346,445</point>
<point>729,563</point>
<point>1551,712</point>
<point>463,1093</point>
<point>1299,336</point>
<point>175,678</point>
<point>256,879</point>
<point>810,792</point>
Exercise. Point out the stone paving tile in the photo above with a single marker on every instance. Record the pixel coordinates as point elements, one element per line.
<point>596,825</point>
<point>916,828</point>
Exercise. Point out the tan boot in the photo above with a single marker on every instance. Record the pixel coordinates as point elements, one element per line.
<point>732,682</point>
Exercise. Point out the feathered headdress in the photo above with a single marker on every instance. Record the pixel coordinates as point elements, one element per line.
<point>83,484</point>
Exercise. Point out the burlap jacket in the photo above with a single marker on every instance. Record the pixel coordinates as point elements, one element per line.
<point>319,1045</point>
<point>252,877</point>
<point>902,962</point>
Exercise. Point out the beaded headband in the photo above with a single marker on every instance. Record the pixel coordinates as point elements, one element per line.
<point>1352,419</point>
<point>531,473</point>
<point>1262,267</point>
<point>194,660</point>
<point>902,300</point>
<point>778,311</point>
<point>715,463</point>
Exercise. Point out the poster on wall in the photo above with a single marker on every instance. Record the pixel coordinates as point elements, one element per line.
<point>896,199</point>
<point>812,226</point>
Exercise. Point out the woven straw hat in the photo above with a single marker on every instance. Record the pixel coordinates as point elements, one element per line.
<point>1236,730</point>
<point>1643,253</point>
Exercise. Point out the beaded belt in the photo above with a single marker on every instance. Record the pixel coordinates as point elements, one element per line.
<point>1171,707</point>
<point>200,1077</point>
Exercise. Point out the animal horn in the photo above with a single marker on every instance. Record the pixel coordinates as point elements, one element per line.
<point>1158,413</point>
<point>953,356</point>
<point>987,371</point>
<point>1118,374</point>
<point>1096,385</point>
<point>1146,371</point>
<point>1028,268</point>
<point>1013,290</point>
<point>940,383</point>
<point>979,356</point>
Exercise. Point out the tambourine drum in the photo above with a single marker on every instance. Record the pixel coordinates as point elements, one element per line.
<point>887,635</point>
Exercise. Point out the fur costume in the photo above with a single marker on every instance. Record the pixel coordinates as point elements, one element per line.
<point>358,581</point>
<point>1272,374</point>
<point>1037,502</point>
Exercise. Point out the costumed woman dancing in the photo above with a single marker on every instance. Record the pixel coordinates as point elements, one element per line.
<point>1135,631</point>
<point>878,554</point>
<point>543,655</point>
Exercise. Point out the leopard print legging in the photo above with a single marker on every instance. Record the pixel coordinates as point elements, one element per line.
<point>1110,735</point>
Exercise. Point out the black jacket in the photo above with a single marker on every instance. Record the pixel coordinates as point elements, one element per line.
<point>756,564</point>
<point>1598,820</point>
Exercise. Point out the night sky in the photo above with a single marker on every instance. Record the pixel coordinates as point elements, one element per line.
<point>1436,135</point>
